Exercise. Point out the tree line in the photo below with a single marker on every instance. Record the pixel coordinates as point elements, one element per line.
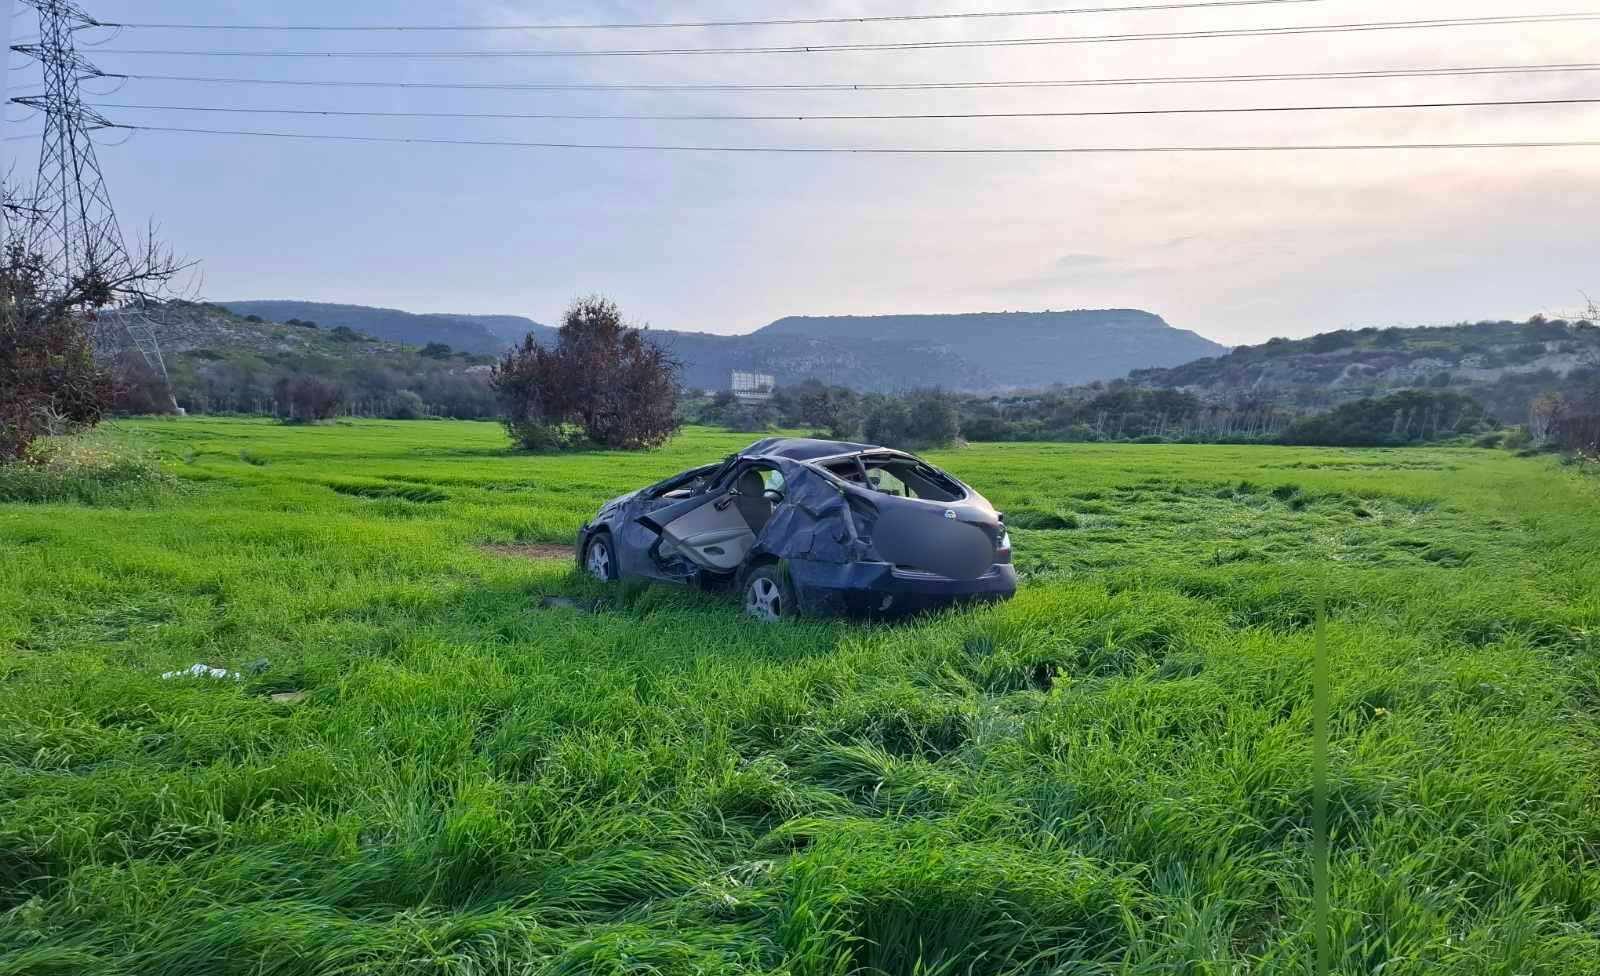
<point>604,383</point>
<point>1099,412</point>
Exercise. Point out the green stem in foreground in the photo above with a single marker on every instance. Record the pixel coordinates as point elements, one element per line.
<point>1319,793</point>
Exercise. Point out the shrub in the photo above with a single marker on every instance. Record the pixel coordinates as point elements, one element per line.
<point>89,469</point>
<point>436,350</point>
<point>407,405</point>
<point>306,399</point>
<point>536,435</point>
<point>603,376</point>
<point>49,380</point>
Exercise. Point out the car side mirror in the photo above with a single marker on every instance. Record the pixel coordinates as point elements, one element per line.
<point>773,495</point>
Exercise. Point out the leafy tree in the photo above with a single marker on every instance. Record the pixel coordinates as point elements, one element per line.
<point>604,378</point>
<point>835,410</point>
<point>920,419</point>
<point>1408,417</point>
<point>306,399</point>
<point>935,421</point>
<point>751,417</point>
<point>436,350</point>
<point>407,405</point>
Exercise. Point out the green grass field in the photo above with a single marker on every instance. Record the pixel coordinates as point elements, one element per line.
<point>1111,774</point>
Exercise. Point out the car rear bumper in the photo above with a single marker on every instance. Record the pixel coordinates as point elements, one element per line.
<point>824,588</point>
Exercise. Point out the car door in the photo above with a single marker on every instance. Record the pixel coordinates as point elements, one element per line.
<point>709,530</point>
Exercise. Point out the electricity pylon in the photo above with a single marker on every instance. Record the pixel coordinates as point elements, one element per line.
<point>76,230</point>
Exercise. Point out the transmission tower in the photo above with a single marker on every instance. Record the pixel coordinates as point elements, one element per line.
<point>76,229</point>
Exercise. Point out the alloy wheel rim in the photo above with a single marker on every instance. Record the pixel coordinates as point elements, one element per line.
<point>763,600</point>
<point>599,561</point>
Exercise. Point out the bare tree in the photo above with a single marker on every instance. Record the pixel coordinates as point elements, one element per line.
<point>51,316</point>
<point>1545,416</point>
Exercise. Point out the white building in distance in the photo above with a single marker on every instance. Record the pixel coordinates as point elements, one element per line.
<point>752,387</point>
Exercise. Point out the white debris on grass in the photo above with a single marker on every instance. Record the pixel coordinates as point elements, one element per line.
<point>203,671</point>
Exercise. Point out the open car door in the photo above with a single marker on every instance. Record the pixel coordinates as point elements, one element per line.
<point>709,531</point>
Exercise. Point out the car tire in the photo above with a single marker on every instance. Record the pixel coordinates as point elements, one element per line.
<point>767,595</point>
<point>600,557</point>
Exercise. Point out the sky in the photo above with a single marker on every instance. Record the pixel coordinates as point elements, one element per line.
<point>1239,247</point>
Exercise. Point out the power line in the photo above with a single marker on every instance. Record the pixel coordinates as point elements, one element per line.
<point>814,150</point>
<point>629,117</point>
<point>1512,19</point>
<point>893,86</point>
<point>782,22</point>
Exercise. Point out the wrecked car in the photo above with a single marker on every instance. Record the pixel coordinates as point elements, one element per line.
<point>802,526</point>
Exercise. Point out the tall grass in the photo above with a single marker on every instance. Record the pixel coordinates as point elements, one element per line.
<point>1111,774</point>
<point>101,468</point>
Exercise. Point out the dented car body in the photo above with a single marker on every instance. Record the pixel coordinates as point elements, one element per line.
<point>798,525</point>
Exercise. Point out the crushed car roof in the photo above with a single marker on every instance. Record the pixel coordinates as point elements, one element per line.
<point>804,448</point>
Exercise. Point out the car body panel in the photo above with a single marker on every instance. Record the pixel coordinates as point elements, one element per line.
<point>844,519</point>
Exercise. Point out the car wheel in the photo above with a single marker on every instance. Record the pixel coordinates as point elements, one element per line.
<point>767,595</point>
<point>600,558</point>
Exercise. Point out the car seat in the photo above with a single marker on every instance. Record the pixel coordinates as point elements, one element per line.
<point>752,500</point>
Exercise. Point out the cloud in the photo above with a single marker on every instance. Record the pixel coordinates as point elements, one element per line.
<point>1081,262</point>
<point>1236,246</point>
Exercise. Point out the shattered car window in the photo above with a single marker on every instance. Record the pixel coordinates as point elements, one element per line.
<point>883,479</point>
<point>898,476</point>
<point>683,485</point>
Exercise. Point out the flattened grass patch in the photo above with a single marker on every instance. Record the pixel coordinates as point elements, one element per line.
<point>379,490</point>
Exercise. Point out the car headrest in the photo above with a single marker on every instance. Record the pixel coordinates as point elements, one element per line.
<point>751,483</point>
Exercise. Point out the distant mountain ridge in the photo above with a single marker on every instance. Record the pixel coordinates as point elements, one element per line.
<point>477,334</point>
<point>976,352</point>
<point>1018,349</point>
<point>1503,365</point>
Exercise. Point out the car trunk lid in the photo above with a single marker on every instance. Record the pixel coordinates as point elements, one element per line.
<point>956,540</point>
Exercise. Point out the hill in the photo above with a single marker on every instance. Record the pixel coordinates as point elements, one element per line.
<point>1012,350</point>
<point>1503,365</point>
<point>885,353</point>
<point>859,363</point>
<point>221,362</point>
<point>476,334</point>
